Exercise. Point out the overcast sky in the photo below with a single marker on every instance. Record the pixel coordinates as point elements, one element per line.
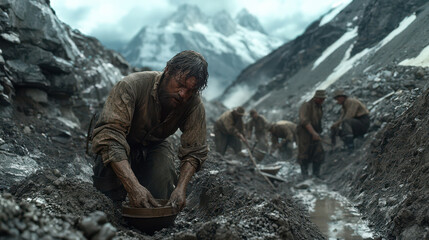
<point>114,22</point>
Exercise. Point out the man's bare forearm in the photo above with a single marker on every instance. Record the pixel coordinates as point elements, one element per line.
<point>186,173</point>
<point>310,129</point>
<point>125,174</point>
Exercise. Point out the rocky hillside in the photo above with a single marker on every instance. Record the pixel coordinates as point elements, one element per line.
<point>51,80</point>
<point>229,44</point>
<point>45,63</point>
<point>364,36</point>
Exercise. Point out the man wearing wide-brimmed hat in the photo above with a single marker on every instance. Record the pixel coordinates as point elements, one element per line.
<point>229,129</point>
<point>354,120</point>
<point>310,149</point>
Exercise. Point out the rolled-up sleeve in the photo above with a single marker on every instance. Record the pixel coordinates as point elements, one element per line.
<point>193,147</point>
<point>109,136</point>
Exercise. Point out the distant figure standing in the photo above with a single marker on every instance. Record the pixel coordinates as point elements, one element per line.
<point>286,131</point>
<point>229,129</point>
<point>354,120</point>
<point>310,149</point>
<point>260,124</point>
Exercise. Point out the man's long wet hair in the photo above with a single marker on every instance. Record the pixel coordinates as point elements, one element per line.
<point>193,64</point>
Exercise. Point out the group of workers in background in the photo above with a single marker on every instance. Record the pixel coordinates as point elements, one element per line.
<point>230,130</point>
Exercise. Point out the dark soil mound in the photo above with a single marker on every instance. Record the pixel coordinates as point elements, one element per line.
<point>62,195</point>
<point>239,203</point>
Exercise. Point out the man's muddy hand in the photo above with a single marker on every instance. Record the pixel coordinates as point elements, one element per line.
<point>241,137</point>
<point>316,137</point>
<point>178,199</point>
<point>141,197</point>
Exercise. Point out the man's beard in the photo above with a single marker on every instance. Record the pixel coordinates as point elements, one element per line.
<point>166,100</point>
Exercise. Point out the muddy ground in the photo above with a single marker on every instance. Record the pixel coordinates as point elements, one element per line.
<point>226,199</point>
<point>47,190</point>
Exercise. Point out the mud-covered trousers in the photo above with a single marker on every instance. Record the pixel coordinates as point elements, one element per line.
<point>351,128</point>
<point>354,126</point>
<point>152,165</point>
<point>222,141</point>
<point>309,151</point>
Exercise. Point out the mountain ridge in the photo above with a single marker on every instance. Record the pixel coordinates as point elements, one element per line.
<point>290,68</point>
<point>229,44</point>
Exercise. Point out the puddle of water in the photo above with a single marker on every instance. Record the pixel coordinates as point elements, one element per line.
<point>338,222</point>
<point>333,213</point>
<point>335,216</point>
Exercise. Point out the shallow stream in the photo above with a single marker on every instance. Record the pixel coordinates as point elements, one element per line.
<point>333,213</point>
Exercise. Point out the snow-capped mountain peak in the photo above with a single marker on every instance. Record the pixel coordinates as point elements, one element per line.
<point>228,44</point>
<point>186,14</point>
<point>247,20</point>
<point>223,23</point>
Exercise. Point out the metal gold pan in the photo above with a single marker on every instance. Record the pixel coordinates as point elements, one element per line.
<point>149,220</point>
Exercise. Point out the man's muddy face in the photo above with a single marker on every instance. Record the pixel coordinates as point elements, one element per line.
<point>177,90</point>
<point>319,100</point>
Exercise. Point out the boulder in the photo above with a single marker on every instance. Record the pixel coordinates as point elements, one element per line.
<point>25,74</point>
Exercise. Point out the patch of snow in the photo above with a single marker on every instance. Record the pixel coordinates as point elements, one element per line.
<point>402,26</point>
<point>346,37</point>
<point>157,48</point>
<point>348,63</point>
<point>334,12</point>
<point>422,60</point>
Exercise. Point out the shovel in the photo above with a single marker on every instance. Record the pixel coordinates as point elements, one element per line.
<point>254,162</point>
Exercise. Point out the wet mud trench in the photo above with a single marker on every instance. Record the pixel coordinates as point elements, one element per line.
<point>334,214</point>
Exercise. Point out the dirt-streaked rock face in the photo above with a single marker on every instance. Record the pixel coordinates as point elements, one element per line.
<point>39,52</point>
